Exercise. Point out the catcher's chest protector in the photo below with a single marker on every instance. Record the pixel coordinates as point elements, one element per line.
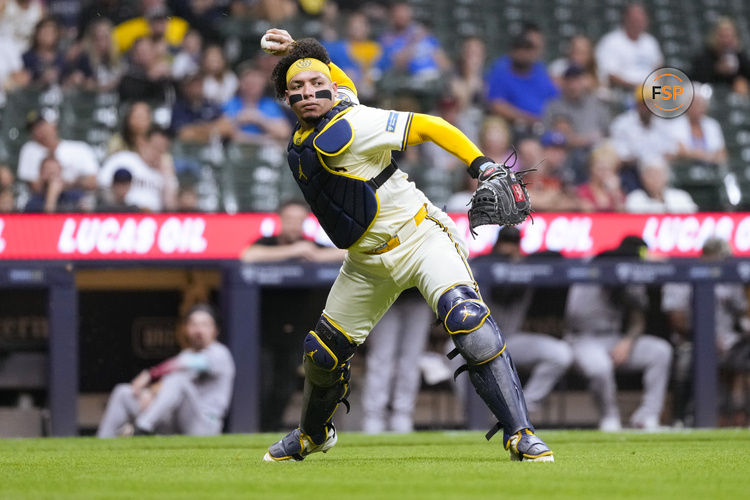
<point>345,206</point>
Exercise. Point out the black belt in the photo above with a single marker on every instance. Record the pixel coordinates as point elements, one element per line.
<point>383,176</point>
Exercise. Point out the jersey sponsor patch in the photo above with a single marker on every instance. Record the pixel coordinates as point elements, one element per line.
<point>392,120</point>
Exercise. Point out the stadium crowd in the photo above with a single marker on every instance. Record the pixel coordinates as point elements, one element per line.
<point>132,100</point>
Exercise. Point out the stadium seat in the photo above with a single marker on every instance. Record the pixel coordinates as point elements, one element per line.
<point>13,132</point>
<point>251,178</point>
<point>91,117</point>
<point>704,182</point>
<point>199,165</point>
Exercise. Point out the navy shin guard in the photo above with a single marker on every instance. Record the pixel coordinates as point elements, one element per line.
<point>327,373</point>
<point>479,340</point>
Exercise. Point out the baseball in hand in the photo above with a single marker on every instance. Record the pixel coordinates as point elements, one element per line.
<point>269,46</point>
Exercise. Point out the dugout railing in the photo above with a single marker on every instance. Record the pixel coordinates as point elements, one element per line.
<point>239,297</point>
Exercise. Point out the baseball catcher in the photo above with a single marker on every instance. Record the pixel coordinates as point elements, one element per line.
<point>340,158</point>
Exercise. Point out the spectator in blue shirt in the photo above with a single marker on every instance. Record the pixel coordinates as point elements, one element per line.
<point>195,118</point>
<point>518,86</point>
<point>410,48</point>
<point>256,118</point>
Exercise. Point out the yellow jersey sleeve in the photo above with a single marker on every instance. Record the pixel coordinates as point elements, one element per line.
<point>342,79</point>
<point>435,129</point>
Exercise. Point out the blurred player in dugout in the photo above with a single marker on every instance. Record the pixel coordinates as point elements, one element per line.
<point>187,394</point>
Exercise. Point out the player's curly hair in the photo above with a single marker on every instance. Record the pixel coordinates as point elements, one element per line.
<point>306,47</point>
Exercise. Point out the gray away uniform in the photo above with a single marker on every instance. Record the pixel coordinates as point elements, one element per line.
<point>547,357</point>
<point>191,401</point>
<point>594,321</point>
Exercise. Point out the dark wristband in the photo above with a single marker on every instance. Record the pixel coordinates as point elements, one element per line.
<point>478,162</point>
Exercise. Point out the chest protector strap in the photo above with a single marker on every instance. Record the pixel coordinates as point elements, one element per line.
<point>345,206</point>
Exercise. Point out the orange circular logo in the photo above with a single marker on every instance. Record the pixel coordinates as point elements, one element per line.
<point>667,92</point>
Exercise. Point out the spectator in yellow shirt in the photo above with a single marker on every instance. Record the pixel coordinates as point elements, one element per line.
<point>155,23</point>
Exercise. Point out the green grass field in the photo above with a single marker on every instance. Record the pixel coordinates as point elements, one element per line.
<point>439,465</point>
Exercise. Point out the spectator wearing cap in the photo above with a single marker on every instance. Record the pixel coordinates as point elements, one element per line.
<point>195,118</point>
<point>53,195</point>
<point>77,159</point>
<point>155,23</point>
<point>115,200</point>
<point>556,156</point>
<point>588,116</point>
<point>657,196</point>
<point>549,183</point>
<point>257,118</point>
<point>518,86</point>
<point>626,55</point>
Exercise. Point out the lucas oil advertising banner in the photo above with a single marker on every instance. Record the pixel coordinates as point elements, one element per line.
<point>223,236</point>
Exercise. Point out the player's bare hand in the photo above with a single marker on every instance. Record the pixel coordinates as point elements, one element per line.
<point>281,38</point>
<point>621,352</point>
<point>144,398</point>
<point>304,250</point>
<point>140,382</point>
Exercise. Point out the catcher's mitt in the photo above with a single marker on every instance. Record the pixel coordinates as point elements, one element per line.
<point>501,198</point>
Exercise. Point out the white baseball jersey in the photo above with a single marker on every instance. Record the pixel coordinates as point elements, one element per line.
<point>433,258</point>
<point>376,133</point>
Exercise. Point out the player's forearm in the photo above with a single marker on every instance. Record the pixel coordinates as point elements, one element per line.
<point>164,368</point>
<point>330,255</point>
<point>341,78</point>
<point>636,324</point>
<point>266,253</point>
<point>194,361</point>
<point>434,129</point>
